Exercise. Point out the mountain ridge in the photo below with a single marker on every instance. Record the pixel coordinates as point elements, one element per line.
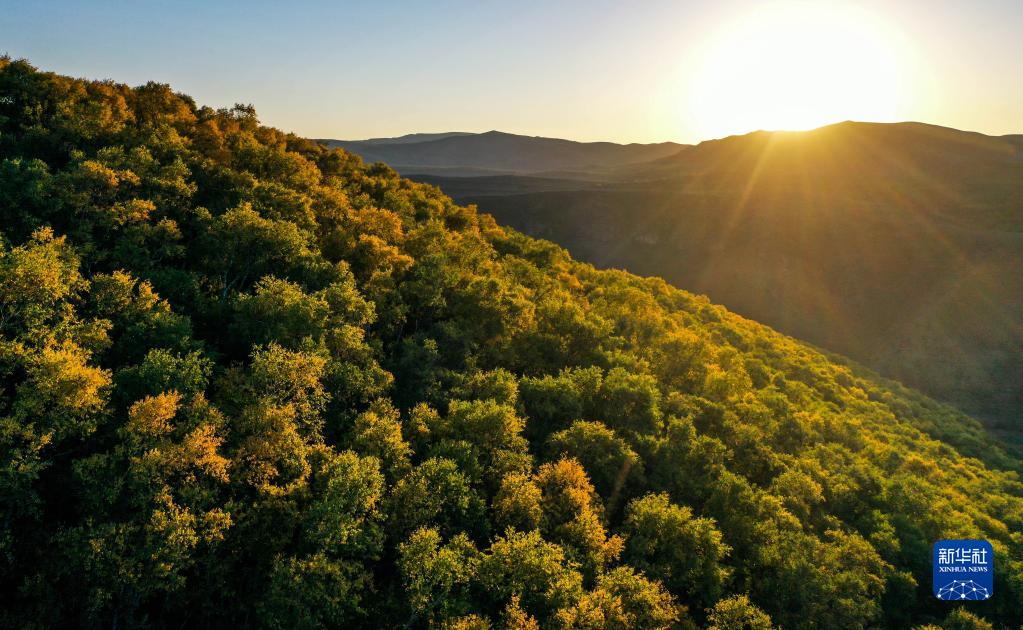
<point>518,154</point>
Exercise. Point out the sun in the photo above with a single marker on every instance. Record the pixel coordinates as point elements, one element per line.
<point>797,66</point>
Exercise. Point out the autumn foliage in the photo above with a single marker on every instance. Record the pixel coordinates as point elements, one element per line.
<point>249,381</point>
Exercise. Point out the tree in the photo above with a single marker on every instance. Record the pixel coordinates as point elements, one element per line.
<point>323,582</point>
<point>280,312</point>
<point>437,577</point>
<point>536,571</point>
<point>241,247</point>
<point>378,432</point>
<point>313,592</point>
<point>518,503</point>
<point>640,602</point>
<point>34,280</point>
<point>630,403</point>
<point>345,520</point>
<point>668,543</point>
<point>435,492</point>
<point>962,619</point>
<point>737,613</point>
<point>63,391</point>
<point>571,515</point>
<point>492,434</point>
<point>615,469</point>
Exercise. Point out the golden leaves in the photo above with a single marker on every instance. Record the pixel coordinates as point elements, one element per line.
<point>151,416</point>
<point>63,379</point>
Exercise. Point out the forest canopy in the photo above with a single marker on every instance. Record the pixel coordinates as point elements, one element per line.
<point>247,380</point>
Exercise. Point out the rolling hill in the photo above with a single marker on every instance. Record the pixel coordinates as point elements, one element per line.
<point>897,244</point>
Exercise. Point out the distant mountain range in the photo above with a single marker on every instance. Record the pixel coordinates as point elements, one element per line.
<point>900,245</point>
<point>494,152</point>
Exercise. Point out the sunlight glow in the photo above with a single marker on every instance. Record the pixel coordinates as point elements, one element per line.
<point>798,66</point>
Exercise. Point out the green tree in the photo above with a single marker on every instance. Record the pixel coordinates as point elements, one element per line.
<point>526,566</point>
<point>437,577</point>
<point>737,613</point>
<point>668,543</point>
<point>435,493</point>
<point>615,469</point>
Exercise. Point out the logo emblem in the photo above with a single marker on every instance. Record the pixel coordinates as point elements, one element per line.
<point>963,570</point>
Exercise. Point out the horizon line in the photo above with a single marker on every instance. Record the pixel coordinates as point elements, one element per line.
<point>455,134</point>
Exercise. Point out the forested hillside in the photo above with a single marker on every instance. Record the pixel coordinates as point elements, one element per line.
<point>898,245</point>
<point>250,381</point>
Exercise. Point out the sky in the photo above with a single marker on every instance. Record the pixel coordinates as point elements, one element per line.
<point>584,70</point>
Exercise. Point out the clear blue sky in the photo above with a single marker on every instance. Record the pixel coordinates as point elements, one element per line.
<point>579,69</point>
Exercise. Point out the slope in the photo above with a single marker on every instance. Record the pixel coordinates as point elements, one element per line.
<point>250,381</point>
<point>898,245</point>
